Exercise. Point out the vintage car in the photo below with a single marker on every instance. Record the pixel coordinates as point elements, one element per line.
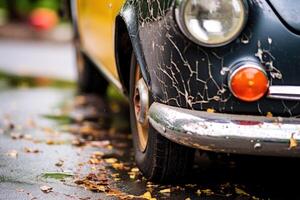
<point>216,75</point>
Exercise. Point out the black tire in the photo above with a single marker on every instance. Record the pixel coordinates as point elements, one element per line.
<point>90,79</point>
<point>162,160</point>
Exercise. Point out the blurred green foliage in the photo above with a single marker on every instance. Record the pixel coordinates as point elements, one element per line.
<point>27,5</point>
<point>10,80</point>
<point>23,7</point>
<point>3,4</point>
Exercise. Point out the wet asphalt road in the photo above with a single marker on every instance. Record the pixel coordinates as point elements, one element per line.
<point>87,142</point>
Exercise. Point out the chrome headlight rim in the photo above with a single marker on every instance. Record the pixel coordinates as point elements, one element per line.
<point>180,19</point>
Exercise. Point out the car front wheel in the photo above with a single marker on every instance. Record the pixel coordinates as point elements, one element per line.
<point>158,158</point>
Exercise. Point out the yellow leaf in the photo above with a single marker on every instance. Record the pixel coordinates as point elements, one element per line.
<point>293,142</point>
<point>208,192</point>
<point>241,192</point>
<point>132,176</point>
<point>269,115</point>
<point>111,160</point>
<point>135,169</point>
<point>210,110</point>
<point>147,195</point>
<point>168,190</point>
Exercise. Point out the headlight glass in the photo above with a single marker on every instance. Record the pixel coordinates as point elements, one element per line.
<point>212,22</point>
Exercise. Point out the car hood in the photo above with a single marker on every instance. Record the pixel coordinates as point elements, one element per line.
<point>288,11</point>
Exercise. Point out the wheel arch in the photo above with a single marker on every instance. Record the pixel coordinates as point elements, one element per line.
<point>127,41</point>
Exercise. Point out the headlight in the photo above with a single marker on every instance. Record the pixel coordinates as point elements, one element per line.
<point>211,22</point>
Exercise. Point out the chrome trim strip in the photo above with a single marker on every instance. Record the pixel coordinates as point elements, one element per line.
<point>284,92</point>
<point>227,133</point>
<point>143,92</point>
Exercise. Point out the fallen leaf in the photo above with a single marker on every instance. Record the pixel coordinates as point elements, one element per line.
<point>16,136</point>
<point>151,185</point>
<point>99,144</point>
<point>111,160</point>
<point>27,137</point>
<point>95,182</point>
<point>50,142</point>
<point>118,166</point>
<point>135,169</point>
<point>55,142</point>
<point>29,150</point>
<point>132,176</point>
<point>293,142</point>
<point>269,115</point>
<point>94,161</point>
<point>79,142</point>
<point>207,192</point>
<point>210,110</point>
<point>46,189</point>
<point>98,154</point>
<point>239,191</point>
<point>190,185</point>
<point>168,190</point>
<point>148,196</point>
<point>13,153</point>
<point>60,163</point>
<point>57,175</point>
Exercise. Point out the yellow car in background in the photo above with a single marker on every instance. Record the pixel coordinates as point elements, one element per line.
<point>199,74</point>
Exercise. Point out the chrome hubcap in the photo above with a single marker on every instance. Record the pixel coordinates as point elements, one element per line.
<point>141,107</point>
<point>141,101</point>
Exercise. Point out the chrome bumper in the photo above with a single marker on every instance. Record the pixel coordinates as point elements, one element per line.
<point>227,133</point>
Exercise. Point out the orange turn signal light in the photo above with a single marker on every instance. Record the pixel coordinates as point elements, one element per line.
<point>249,82</point>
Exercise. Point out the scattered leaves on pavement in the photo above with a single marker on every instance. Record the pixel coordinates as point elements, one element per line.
<point>97,182</point>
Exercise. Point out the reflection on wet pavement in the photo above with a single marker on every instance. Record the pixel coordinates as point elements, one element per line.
<point>57,146</point>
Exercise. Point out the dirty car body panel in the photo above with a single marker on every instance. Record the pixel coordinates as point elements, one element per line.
<point>189,82</point>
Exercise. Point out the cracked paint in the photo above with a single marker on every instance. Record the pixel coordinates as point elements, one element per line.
<point>184,74</point>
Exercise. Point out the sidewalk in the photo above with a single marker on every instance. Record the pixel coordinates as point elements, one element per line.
<point>25,52</point>
<point>22,31</point>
